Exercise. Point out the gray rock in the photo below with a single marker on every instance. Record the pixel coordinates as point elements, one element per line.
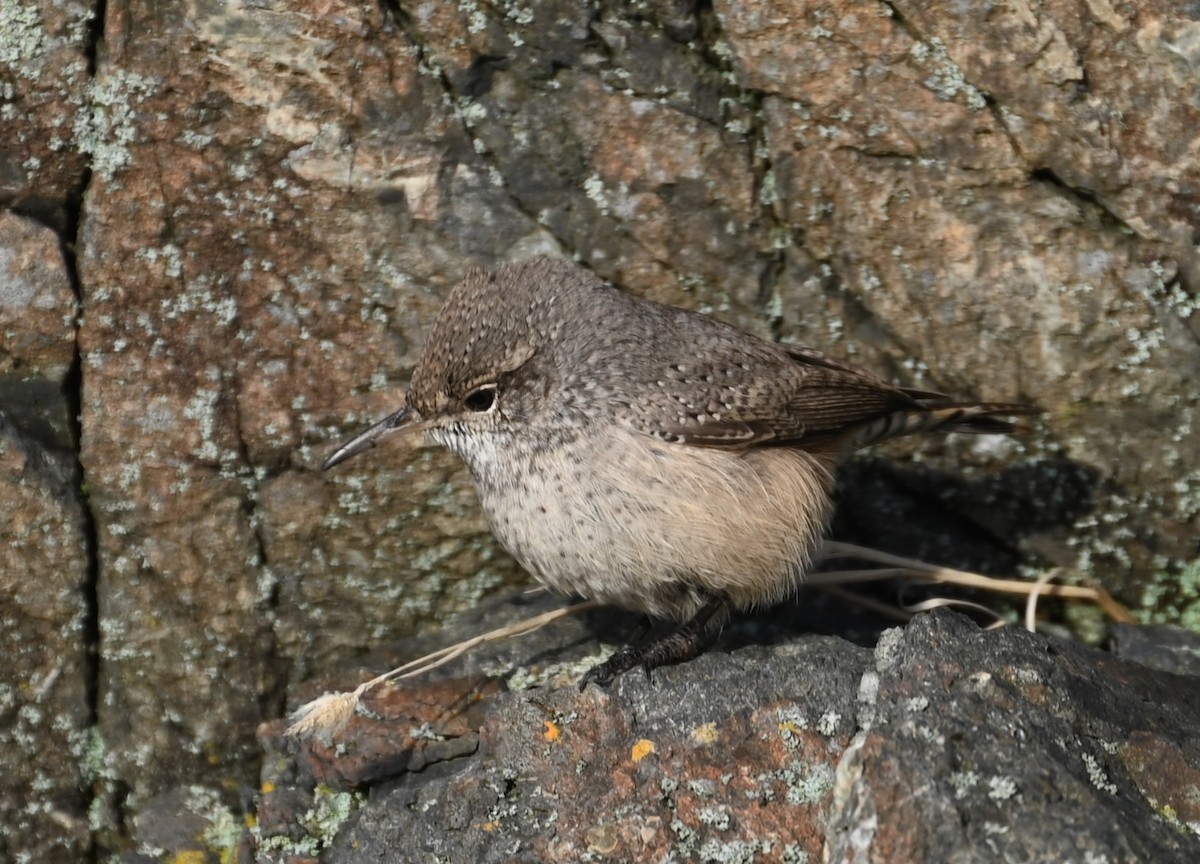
<point>1159,646</point>
<point>945,744</point>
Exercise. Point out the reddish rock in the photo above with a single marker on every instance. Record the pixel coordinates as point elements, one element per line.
<point>1062,85</point>
<point>37,305</point>
<point>222,260</point>
<point>51,118</point>
<point>47,752</point>
<point>401,727</point>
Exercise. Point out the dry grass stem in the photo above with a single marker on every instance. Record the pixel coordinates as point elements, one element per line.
<point>849,577</point>
<point>888,610</point>
<point>952,603</point>
<point>831,581</point>
<point>913,568</point>
<point>327,715</point>
<point>324,716</point>
<point>1031,601</point>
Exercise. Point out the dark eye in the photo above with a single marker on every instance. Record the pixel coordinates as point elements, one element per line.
<point>481,399</point>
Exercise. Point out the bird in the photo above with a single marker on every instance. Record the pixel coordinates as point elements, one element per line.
<point>643,455</point>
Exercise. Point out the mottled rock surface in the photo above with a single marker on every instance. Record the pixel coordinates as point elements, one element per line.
<point>38,308</point>
<point>53,116</point>
<point>45,677</point>
<point>947,743</point>
<point>260,206</point>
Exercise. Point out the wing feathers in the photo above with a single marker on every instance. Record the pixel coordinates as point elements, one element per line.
<point>811,399</point>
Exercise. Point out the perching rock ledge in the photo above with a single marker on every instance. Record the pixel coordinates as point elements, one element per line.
<point>944,744</point>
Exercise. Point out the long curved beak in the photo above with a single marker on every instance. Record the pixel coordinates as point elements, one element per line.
<point>404,420</point>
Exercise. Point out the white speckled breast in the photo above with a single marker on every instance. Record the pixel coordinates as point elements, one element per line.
<point>622,518</point>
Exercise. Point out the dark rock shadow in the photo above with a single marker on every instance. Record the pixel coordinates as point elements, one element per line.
<point>946,518</point>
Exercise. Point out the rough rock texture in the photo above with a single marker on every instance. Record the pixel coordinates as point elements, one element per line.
<point>37,330</point>
<point>52,114</point>
<point>973,191</point>
<point>948,744</point>
<point>223,266</point>
<point>45,677</point>
<point>1159,646</point>
<point>47,682</point>
<point>262,204</point>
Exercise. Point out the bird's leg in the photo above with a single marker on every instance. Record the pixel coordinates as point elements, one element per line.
<point>625,657</point>
<point>686,641</point>
<point>690,639</point>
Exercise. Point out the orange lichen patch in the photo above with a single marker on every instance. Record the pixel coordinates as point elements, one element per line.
<point>267,787</point>
<point>490,826</point>
<point>706,734</point>
<point>553,731</point>
<point>642,749</point>
<point>189,856</point>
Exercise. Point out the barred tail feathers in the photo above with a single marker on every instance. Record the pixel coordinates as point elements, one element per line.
<point>977,418</point>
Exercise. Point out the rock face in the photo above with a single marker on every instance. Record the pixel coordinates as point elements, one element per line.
<point>45,698</point>
<point>51,115</point>
<point>37,331</point>
<point>258,208</point>
<point>947,743</point>
<point>47,684</point>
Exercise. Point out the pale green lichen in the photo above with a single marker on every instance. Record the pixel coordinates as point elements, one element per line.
<point>170,254</point>
<point>106,124</point>
<point>93,759</point>
<point>768,193</point>
<point>1173,597</point>
<point>916,704</point>
<point>963,782</point>
<point>828,723</point>
<point>703,787</point>
<point>1001,788</point>
<point>527,678</point>
<point>718,817</point>
<point>321,823</point>
<point>1097,774</point>
<point>793,854</point>
<point>201,408</point>
<point>225,828</point>
<point>735,851</point>
<point>520,15</point>
<point>22,37</point>
<point>805,785</point>
<point>946,77</point>
<point>593,187</point>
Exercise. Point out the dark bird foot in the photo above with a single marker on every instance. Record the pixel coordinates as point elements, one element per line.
<point>686,641</point>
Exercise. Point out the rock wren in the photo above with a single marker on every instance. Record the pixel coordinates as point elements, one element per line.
<point>643,455</point>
